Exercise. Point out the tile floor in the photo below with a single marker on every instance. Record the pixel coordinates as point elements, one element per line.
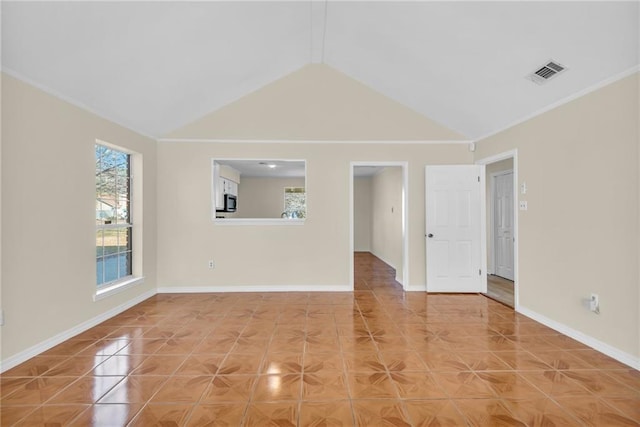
<point>373,357</point>
<point>501,290</point>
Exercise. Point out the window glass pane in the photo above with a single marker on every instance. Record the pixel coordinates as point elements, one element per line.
<point>123,239</point>
<point>122,210</point>
<point>110,241</point>
<point>113,207</point>
<point>111,268</point>
<point>99,243</point>
<point>100,271</point>
<point>125,264</point>
<point>295,204</point>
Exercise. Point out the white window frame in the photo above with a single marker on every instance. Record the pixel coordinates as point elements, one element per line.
<point>106,289</point>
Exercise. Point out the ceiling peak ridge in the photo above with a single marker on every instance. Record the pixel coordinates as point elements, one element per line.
<point>318,30</point>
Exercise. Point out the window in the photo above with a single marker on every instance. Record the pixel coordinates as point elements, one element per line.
<point>113,216</point>
<point>295,202</point>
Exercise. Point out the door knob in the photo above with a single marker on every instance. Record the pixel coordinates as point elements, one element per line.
<point>429,235</point>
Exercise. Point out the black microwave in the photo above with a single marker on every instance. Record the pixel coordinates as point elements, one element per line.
<point>230,203</point>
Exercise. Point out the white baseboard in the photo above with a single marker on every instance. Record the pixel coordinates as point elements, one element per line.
<point>416,288</point>
<point>45,345</point>
<point>254,288</point>
<point>609,350</point>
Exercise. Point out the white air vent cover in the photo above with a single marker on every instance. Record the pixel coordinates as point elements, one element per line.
<point>546,72</point>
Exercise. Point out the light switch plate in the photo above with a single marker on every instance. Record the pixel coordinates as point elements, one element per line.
<point>523,188</point>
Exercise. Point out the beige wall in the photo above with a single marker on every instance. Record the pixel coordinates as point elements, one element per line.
<point>386,217</point>
<point>48,204</point>
<point>580,233</point>
<point>502,165</point>
<point>315,254</point>
<point>314,103</point>
<point>318,103</point>
<point>1,238</point>
<point>263,197</point>
<point>362,214</point>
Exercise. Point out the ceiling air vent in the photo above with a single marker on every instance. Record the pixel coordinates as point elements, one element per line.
<point>546,72</point>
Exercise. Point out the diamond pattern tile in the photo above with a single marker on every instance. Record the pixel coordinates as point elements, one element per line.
<point>376,356</point>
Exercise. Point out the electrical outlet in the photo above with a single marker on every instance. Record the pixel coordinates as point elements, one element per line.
<point>594,303</point>
<point>212,264</point>
<point>523,205</point>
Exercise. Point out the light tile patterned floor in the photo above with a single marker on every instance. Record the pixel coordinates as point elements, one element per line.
<point>376,356</point>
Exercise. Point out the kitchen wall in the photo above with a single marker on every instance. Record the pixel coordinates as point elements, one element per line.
<point>263,197</point>
<point>315,255</point>
<point>362,214</point>
<point>580,233</point>
<point>386,217</point>
<point>48,210</point>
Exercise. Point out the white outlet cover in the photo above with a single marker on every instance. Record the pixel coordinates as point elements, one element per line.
<point>523,205</point>
<point>523,188</point>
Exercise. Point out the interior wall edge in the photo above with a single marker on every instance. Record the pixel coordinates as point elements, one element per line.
<point>45,345</point>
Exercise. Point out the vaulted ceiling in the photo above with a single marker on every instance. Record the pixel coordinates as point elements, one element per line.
<point>156,66</point>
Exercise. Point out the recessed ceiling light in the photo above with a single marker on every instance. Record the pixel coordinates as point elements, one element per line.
<point>269,165</point>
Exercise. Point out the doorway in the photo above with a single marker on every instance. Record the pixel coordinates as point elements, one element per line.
<point>502,244</point>
<point>501,216</point>
<point>453,223</point>
<point>378,215</point>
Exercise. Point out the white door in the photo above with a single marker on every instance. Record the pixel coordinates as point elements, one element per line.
<point>453,228</point>
<point>503,224</point>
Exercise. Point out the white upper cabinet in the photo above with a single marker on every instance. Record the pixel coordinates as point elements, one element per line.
<point>225,180</point>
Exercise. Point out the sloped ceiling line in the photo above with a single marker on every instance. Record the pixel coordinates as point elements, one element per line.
<point>318,30</point>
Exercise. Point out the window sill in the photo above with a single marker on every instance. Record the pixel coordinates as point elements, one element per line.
<point>117,287</point>
<point>259,221</point>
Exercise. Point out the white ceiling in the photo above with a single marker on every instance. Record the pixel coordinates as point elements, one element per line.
<point>367,171</point>
<point>260,168</point>
<point>156,66</point>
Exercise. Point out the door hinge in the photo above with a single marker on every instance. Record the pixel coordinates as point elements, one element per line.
<point>480,272</point>
<point>478,179</point>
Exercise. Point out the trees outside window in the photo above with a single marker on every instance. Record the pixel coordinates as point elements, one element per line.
<point>113,215</point>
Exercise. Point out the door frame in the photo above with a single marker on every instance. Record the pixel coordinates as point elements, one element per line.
<point>491,266</point>
<point>511,154</point>
<point>405,217</point>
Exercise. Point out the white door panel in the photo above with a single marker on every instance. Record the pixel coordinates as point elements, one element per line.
<point>503,226</point>
<point>453,195</point>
